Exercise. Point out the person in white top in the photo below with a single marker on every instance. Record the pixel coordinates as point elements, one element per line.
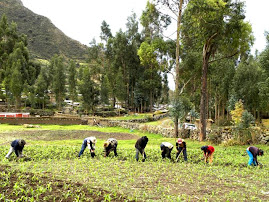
<point>90,142</point>
<point>166,148</point>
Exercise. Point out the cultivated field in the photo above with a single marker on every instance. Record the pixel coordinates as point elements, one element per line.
<point>55,173</point>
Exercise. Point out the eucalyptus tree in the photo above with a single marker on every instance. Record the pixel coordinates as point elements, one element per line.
<point>264,83</point>
<point>220,86</point>
<point>41,87</point>
<point>89,90</point>
<point>150,51</point>
<point>245,84</point>
<point>58,79</point>
<point>175,7</point>
<point>72,80</point>
<point>105,90</point>
<point>16,83</point>
<point>215,26</point>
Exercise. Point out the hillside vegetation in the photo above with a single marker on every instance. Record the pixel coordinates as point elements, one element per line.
<point>44,39</point>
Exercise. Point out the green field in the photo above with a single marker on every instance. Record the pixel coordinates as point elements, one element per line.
<point>54,173</point>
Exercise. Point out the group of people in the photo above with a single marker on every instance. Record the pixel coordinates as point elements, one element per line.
<point>140,145</point>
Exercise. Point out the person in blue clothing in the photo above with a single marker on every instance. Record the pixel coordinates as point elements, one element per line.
<point>17,147</point>
<point>253,152</point>
<point>90,142</point>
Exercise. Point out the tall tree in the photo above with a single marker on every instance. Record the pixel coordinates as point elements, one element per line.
<point>89,91</point>
<point>58,80</point>
<point>16,83</point>
<point>215,26</point>
<point>72,80</point>
<point>176,9</point>
<point>41,87</point>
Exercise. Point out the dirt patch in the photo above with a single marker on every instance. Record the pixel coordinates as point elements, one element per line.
<point>48,135</point>
<point>16,184</point>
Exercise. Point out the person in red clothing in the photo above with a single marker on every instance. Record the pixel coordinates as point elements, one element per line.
<point>208,153</point>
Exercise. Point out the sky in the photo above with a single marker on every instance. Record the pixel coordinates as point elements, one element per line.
<point>81,19</point>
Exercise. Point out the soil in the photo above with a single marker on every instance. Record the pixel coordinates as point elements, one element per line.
<point>48,135</point>
<point>55,190</point>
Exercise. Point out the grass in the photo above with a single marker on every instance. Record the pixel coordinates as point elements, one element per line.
<point>122,178</point>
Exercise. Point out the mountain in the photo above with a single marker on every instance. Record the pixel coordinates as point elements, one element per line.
<point>44,39</point>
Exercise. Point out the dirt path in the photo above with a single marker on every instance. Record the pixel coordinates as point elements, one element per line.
<point>49,135</point>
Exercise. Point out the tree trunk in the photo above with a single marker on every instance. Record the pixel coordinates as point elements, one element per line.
<point>203,110</point>
<point>178,46</point>
<point>176,127</point>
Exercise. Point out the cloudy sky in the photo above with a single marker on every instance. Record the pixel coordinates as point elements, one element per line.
<point>81,19</point>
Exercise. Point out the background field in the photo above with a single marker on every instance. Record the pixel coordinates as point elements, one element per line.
<point>54,171</point>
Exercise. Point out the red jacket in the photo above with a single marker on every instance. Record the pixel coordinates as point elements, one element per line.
<point>210,149</point>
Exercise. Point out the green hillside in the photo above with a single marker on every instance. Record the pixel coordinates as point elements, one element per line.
<point>44,39</point>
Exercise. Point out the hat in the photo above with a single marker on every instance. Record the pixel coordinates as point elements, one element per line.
<point>179,140</point>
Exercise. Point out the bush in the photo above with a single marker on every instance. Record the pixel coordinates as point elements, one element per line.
<point>215,137</point>
<point>246,120</point>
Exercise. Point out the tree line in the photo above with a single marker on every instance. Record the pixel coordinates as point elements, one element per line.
<point>211,57</point>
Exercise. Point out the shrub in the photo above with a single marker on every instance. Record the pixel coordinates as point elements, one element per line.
<point>215,137</point>
<point>246,120</point>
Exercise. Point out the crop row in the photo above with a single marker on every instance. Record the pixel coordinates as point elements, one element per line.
<point>223,157</point>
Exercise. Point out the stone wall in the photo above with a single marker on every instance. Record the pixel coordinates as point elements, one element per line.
<point>220,135</point>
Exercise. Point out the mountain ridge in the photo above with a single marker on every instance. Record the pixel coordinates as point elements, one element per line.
<point>44,38</point>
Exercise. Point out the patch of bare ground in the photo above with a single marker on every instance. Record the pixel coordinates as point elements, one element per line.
<point>49,135</point>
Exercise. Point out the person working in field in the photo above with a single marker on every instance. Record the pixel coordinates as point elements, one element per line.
<point>140,145</point>
<point>166,148</point>
<point>208,153</point>
<point>111,145</point>
<point>253,152</point>
<point>90,142</point>
<point>181,147</point>
<point>17,147</point>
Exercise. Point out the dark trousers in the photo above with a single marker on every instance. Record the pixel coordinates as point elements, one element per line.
<point>179,150</point>
<point>166,152</point>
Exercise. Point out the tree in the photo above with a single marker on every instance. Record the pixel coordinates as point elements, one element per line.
<point>176,8</point>
<point>89,91</point>
<point>72,80</point>
<point>16,85</point>
<point>41,87</point>
<point>245,84</point>
<point>179,110</point>
<point>148,58</point>
<point>58,79</point>
<point>215,26</point>
<point>105,90</point>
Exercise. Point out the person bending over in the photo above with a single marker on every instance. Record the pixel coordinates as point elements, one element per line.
<point>140,145</point>
<point>111,145</point>
<point>17,147</point>
<point>181,147</point>
<point>253,152</point>
<point>166,148</point>
<point>208,153</point>
<point>90,142</point>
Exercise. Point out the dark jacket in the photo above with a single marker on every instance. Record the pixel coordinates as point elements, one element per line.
<point>17,147</point>
<point>182,145</point>
<point>141,143</point>
<point>255,153</point>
